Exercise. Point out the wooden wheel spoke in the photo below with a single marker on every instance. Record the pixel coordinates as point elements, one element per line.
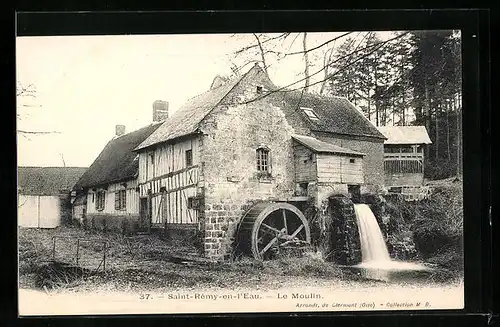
<point>266,228</point>
<point>267,232</point>
<point>268,246</point>
<point>271,228</point>
<point>297,231</point>
<point>284,221</point>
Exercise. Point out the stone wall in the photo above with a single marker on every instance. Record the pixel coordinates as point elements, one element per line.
<point>232,133</point>
<point>345,244</point>
<point>125,224</point>
<point>403,179</point>
<point>221,226</point>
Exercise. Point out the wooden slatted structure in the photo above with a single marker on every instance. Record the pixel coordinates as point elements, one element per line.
<point>323,162</point>
<point>392,165</point>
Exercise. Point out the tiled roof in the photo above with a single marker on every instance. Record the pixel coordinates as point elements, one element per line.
<point>319,146</point>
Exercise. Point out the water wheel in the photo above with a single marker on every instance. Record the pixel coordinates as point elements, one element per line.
<point>268,226</point>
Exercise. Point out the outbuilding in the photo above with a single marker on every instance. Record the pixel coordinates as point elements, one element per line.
<point>44,195</point>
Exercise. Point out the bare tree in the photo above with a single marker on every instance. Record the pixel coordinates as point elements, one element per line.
<point>27,92</point>
<point>306,62</point>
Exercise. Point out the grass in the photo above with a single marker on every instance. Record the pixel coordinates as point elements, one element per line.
<point>143,262</point>
<point>147,263</point>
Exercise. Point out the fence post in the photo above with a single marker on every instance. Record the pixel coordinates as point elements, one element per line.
<point>104,258</point>
<point>77,250</point>
<point>53,248</point>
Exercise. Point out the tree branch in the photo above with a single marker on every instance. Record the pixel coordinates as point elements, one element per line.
<point>293,41</point>
<point>317,47</point>
<point>281,36</point>
<point>306,61</point>
<point>262,54</point>
<point>37,132</point>
<point>284,88</point>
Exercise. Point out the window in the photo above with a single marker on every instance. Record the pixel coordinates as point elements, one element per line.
<point>352,160</point>
<point>263,160</point>
<point>310,113</point>
<point>121,200</point>
<point>259,89</point>
<point>189,158</point>
<point>152,158</point>
<point>190,203</point>
<point>99,203</point>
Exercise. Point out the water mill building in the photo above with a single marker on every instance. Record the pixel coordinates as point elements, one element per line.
<point>244,165</point>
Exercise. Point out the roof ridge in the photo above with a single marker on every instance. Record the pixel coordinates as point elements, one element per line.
<point>236,82</point>
<point>234,79</point>
<point>137,130</point>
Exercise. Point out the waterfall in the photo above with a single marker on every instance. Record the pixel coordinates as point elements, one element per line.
<point>374,251</point>
<point>373,247</point>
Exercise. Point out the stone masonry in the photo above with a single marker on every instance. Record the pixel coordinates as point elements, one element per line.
<point>345,242</point>
<point>232,133</point>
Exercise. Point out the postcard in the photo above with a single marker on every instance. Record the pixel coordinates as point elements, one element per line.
<point>225,173</point>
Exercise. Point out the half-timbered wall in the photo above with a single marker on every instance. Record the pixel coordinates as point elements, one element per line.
<point>339,169</point>
<point>132,202</point>
<point>171,181</point>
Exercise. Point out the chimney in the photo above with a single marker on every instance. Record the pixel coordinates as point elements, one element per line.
<point>160,110</point>
<point>119,130</point>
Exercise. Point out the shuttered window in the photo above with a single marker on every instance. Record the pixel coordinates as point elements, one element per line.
<point>99,203</point>
<point>121,200</point>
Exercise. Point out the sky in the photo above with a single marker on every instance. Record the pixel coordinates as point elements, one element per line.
<point>85,85</point>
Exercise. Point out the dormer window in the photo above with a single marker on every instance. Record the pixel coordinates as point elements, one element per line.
<point>259,89</point>
<point>310,113</point>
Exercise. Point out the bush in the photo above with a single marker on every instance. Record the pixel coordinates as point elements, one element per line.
<point>437,225</point>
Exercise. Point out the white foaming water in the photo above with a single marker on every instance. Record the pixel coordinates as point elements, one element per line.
<point>374,251</point>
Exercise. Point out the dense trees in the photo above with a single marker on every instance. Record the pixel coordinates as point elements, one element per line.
<point>405,78</point>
